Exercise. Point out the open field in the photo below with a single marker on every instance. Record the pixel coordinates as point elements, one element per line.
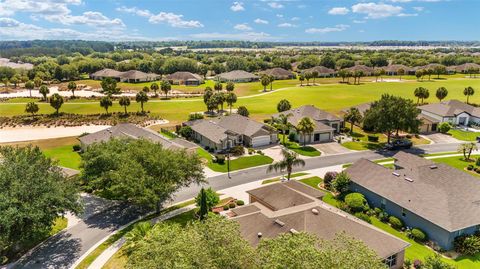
<point>330,97</point>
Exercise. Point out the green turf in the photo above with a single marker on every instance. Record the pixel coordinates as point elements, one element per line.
<point>278,179</point>
<point>464,135</point>
<point>65,156</point>
<point>236,164</point>
<point>360,145</point>
<point>330,97</point>
<point>299,149</point>
<point>312,181</point>
<point>168,134</point>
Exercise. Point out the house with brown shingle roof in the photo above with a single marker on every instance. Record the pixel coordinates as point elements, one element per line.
<point>291,207</point>
<point>392,70</point>
<point>441,200</point>
<point>237,76</point>
<point>453,111</point>
<point>132,131</point>
<point>185,78</point>
<point>367,71</point>
<point>326,124</point>
<point>132,76</point>
<point>223,132</point>
<point>322,71</point>
<point>278,73</point>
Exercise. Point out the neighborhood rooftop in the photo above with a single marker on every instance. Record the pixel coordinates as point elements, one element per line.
<point>289,207</point>
<point>312,112</point>
<point>439,193</point>
<point>451,108</point>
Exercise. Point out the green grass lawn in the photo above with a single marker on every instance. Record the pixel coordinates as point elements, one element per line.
<point>236,164</point>
<point>278,179</point>
<point>339,96</point>
<point>459,163</point>
<point>299,149</point>
<point>168,134</point>
<point>312,181</point>
<point>463,135</point>
<point>65,156</point>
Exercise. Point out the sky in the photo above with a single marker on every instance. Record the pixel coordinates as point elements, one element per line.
<point>252,20</point>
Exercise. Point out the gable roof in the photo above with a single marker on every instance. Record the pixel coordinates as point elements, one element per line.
<point>317,115</point>
<point>184,76</point>
<point>366,69</point>
<point>129,130</point>
<point>466,66</point>
<point>320,70</point>
<point>441,194</point>
<point>277,72</point>
<point>396,67</point>
<point>130,74</point>
<point>311,215</point>
<point>451,108</point>
<point>216,129</point>
<point>237,75</point>
<point>107,72</point>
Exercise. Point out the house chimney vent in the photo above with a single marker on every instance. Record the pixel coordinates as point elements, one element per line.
<point>433,166</point>
<point>293,231</point>
<point>315,211</point>
<point>259,235</point>
<point>408,179</point>
<point>395,174</point>
<point>279,222</point>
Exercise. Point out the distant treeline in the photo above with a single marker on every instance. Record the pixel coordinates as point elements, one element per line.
<point>52,47</point>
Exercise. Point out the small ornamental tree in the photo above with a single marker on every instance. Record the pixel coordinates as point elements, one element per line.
<point>356,202</point>
<point>329,178</point>
<point>72,86</point>
<point>124,101</point>
<point>32,108</point>
<point>30,86</point>
<point>165,87</point>
<point>243,111</point>
<point>154,87</point>
<point>231,98</point>
<point>106,102</point>
<point>44,91</point>
<point>141,98</point>
<point>56,101</point>
<point>341,183</point>
<point>218,86</point>
<point>283,105</point>
<point>444,127</point>
<point>230,86</point>
<point>211,198</point>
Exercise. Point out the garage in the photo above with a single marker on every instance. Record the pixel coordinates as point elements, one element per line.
<point>261,141</point>
<point>325,137</point>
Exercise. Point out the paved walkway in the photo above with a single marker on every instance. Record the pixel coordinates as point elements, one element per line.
<point>441,138</point>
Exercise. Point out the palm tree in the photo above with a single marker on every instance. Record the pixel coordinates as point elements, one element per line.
<point>305,126</point>
<point>301,78</point>
<point>154,87</point>
<point>308,76</point>
<point>353,116</point>
<point>124,101</point>
<point>146,89</point>
<point>106,102</point>
<point>72,86</point>
<point>141,98</point>
<point>137,234</point>
<point>290,160</point>
<point>165,87</point>
<point>218,86</point>
<point>400,73</point>
<point>272,79</point>
<point>44,91</point>
<point>283,124</point>
<point>56,101</point>
<point>314,76</point>
<point>231,98</point>
<point>230,86</point>
<point>468,91</point>
<point>29,85</point>
<point>421,93</point>
<point>441,93</point>
<point>265,80</point>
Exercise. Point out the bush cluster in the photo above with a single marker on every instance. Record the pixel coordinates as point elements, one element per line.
<point>328,179</point>
<point>395,222</point>
<point>372,138</point>
<point>219,158</point>
<point>418,235</point>
<point>237,150</point>
<point>356,202</point>
<point>467,244</point>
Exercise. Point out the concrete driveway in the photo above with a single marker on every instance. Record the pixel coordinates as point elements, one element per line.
<point>440,138</point>
<point>331,148</point>
<point>274,152</point>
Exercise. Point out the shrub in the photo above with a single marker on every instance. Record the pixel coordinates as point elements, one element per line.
<point>212,198</point>
<point>363,217</point>
<point>291,136</point>
<point>240,202</point>
<point>251,151</point>
<point>345,130</point>
<point>409,136</point>
<point>372,138</point>
<point>356,202</point>
<point>341,183</point>
<point>383,216</point>
<point>418,235</point>
<point>267,121</point>
<point>467,244</point>
<point>232,205</point>
<point>395,222</point>
<point>377,211</point>
<point>470,166</point>
<point>329,178</point>
<point>225,207</point>
<point>237,150</point>
<point>76,147</point>
<point>186,131</point>
<point>477,162</point>
<point>220,158</point>
<point>417,264</point>
<point>195,116</point>
<point>444,127</point>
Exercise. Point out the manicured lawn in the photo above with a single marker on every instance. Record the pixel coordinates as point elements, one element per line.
<point>299,149</point>
<point>278,179</point>
<point>339,96</point>
<point>362,145</point>
<point>236,164</point>
<point>312,181</point>
<point>65,156</point>
<point>459,163</point>
<point>168,134</point>
<point>463,135</point>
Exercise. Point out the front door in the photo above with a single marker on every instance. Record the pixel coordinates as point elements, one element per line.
<point>462,120</point>
<point>434,127</point>
<point>316,137</point>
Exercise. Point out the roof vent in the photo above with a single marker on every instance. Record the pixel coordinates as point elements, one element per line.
<point>433,166</point>
<point>395,174</point>
<point>293,231</point>
<point>259,235</point>
<point>315,211</point>
<point>408,179</point>
<point>279,222</point>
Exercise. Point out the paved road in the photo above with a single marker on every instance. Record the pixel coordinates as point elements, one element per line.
<point>62,250</point>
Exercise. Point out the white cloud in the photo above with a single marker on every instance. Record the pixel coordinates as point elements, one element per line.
<point>275,5</point>
<point>279,15</point>
<point>359,21</point>
<point>338,11</point>
<point>260,21</point>
<point>42,7</point>
<point>237,6</point>
<point>242,27</point>
<point>286,25</point>
<point>407,15</point>
<point>134,10</point>
<point>255,36</point>
<point>295,19</point>
<point>377,11</point>
<point>419,9</point>
<point>91,18</point>
<point>336,28</point>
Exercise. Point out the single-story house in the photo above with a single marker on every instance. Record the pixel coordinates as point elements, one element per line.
<point>131,76</point>
<point>185,78</point>
<point>227,131</point>
<point>129,130</point>
<point>237,76</point>
<point>326,124</point>
<point>467,68</point>
<point>279,73</point>
<point>367,71</point>
<point>440,200</point>
<point>453,111</point>
<point>322,71</point>
<point>392,70</point>
<point>292,207</point>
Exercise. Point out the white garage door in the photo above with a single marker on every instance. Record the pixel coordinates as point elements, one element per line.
<point>260,141</point>
<point>324,137</point>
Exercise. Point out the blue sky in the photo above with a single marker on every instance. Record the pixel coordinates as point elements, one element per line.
<point>255,20</point>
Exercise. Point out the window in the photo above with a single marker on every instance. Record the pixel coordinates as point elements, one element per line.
<point>391,261</point>
<point>459,232</point>
<point>383,203</point>
<point>404,212</point>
